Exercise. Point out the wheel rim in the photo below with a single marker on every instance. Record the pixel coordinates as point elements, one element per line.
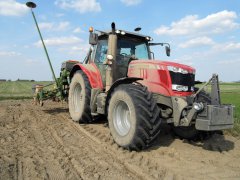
<point>121,118</point>
<point>77,97</point>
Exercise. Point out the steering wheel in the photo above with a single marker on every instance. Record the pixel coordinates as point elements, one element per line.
<point>133,57</point>
<point>124,54</point>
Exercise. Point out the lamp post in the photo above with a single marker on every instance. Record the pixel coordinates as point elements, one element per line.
<point>32,5</point>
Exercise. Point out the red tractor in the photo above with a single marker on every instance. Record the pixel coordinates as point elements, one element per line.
<point>120,79</point>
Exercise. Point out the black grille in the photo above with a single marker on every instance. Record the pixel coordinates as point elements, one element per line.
<point>183,79</point>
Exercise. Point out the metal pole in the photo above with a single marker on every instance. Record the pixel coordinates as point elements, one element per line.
<point>45,49</point>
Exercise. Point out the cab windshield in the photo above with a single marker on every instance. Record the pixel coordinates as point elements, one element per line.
<point>133,47</point>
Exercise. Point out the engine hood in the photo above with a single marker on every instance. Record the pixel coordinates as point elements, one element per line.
<point>158,64</point>
<point>164,77</point>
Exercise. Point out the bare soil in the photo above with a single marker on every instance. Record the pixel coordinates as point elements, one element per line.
<point>44,143</point>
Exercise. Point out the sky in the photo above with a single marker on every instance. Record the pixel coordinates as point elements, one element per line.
<point>203,34</point>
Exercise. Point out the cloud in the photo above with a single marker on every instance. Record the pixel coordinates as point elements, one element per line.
<point>12,8</point>
<point>227,47</point>
<point>76,49</point>
<point>232,46</point>
<point>31,61</point>
<point>82,6</point>
<point>62,26</point>
<point>185,59</point>
<point>9,53</point>
<point>78,30</point>
<point>45,26</point>
<point>229,62</point>
<point>191,25</point>
<point>76,52</point>
<point>196,42</point>
<point>54,26</point>
<point>131,2</point>
<point>59,41</point>
<point>60,15</point>
<point>79,49</point>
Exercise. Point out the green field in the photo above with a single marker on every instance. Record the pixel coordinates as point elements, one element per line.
<point>230,94</point>
<point>18,89</point>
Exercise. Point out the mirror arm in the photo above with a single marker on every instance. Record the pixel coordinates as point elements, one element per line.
<point>152,55</point>
<point>167,46</point>
<point>86,60</point>
<point>161,44</point>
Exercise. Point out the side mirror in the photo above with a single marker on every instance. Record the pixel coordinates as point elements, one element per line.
<point>93,38</point>
<point>168,50</point>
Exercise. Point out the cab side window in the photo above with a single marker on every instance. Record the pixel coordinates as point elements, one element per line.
<point>101,51</point>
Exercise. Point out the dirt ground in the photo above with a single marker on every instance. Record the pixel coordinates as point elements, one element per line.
<point>43,143</point>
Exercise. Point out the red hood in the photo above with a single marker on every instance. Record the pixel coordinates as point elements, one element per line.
<point>156,76</point>
<point>163,64</point>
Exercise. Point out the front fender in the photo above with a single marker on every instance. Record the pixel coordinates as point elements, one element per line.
<point>92,73</point>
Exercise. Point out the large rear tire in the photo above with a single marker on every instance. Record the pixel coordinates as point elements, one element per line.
<point>133,117</point>
<point>79,98</point>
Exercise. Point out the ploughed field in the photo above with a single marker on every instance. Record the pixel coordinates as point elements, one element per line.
<point>44,143</point>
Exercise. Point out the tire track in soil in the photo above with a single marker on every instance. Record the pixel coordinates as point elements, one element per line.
<point>59,132</point>
<point>133,161</point>
<point>43,143</point>
<point>10,116</point>
<point>32,165</point>
<point>169,162</point>
<point>57,165</point>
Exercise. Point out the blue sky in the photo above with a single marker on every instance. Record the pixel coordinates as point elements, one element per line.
<point>204,34</point>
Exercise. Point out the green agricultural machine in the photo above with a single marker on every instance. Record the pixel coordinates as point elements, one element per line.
<point>60,89</point>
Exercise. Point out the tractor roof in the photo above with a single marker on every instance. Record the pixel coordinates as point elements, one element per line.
<point>125,33</point>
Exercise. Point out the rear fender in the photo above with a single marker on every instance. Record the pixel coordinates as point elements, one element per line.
<point>92,73</point>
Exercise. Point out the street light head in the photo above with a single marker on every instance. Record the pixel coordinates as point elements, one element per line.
<point>31,4</point>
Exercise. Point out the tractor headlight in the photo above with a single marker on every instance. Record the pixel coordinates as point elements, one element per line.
<point>120,32</point>
<point>123,33</point>
<point>198,106</point>
<point>149,38</point>
<point>109,57</point>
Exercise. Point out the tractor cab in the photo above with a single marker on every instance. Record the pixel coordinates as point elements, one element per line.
<point>120,51</point>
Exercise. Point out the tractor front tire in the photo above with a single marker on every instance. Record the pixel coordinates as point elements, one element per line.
<point>133,117</point>
<point>79,98</point>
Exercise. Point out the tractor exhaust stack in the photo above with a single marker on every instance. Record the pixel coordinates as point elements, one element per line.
<point>112,49</point>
